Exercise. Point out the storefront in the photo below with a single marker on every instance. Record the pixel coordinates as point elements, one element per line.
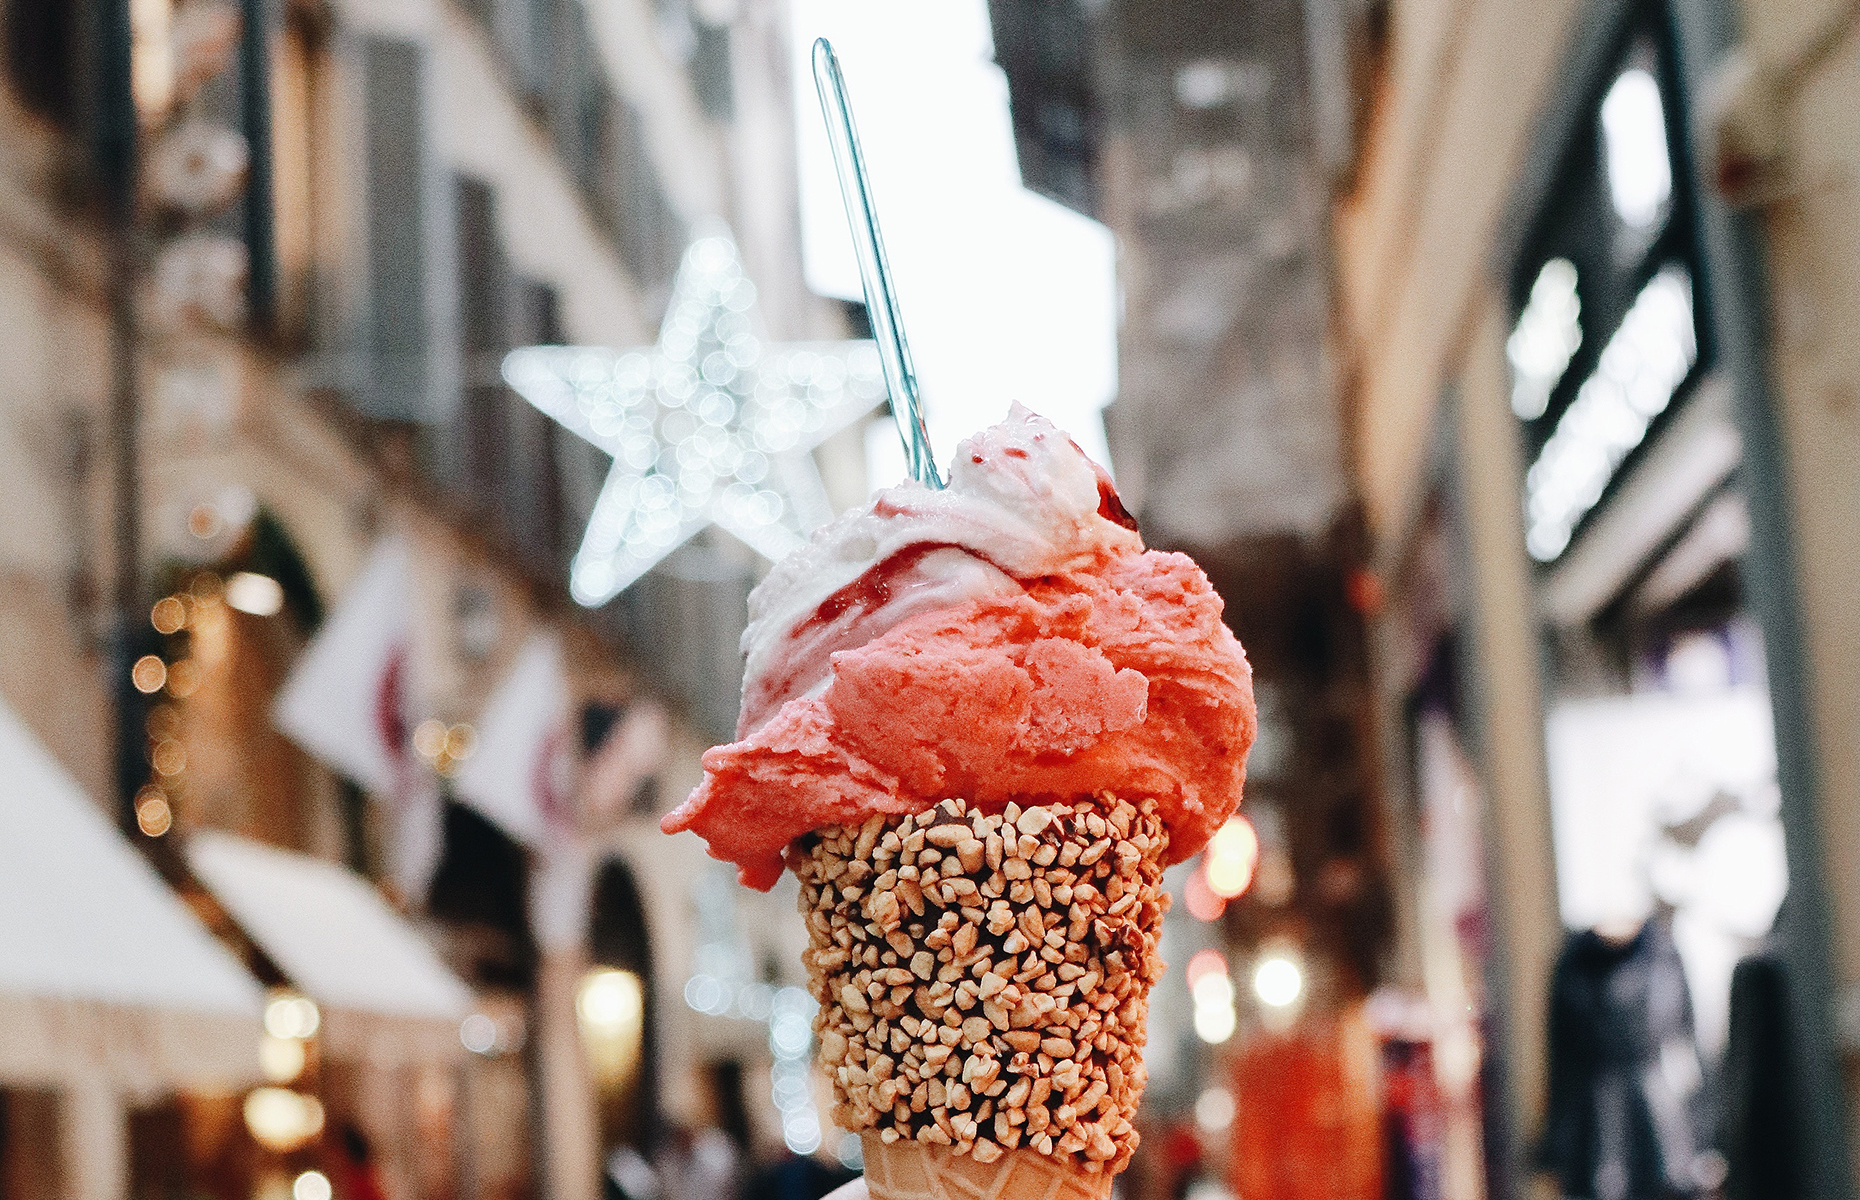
<point>1659,742</point>
<point>115,1003</point>
<point>1594,664</point>
<point>1658,541</point>
<point>364,1042</point>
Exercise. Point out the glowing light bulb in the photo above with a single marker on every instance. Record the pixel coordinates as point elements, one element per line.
<point>311,1185</point>
<point>1230,858</point>
<point>258,595</point>
<point>1277,981</point>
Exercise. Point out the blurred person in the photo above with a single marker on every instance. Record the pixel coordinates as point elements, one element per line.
<point>706,1165</point>
<point>1625,1112</point>
<point>355,1174</point>
<point>628,1176</point>
<point>1760,1129</point>
<point>800,1177</point>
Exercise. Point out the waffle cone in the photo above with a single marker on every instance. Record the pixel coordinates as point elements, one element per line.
<point>983,981</point>
<point>917,1171</point>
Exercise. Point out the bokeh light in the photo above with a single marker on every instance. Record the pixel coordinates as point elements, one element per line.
<point>611,1006</point>
<point>154,817</point>
<point>257,595</point>
<point>1278,980</point>
<point>311,1185</point>
<point>149,674</point>
<point>169,615</point>
<point>289,1016</point>
<point>1230,857</point>
<point>183,678</point>
<point>281,1059</point>
<point>1213,995</point>
<point>282,1120</point>
<point>1214,1109</point>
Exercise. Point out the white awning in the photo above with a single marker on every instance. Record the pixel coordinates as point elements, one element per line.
<point>104,973</point>
<point>386,996</point>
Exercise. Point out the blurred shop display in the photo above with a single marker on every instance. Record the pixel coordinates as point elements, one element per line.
<point>1667,803</point>
<point>1659,740</point>
<point>1307,1114</point>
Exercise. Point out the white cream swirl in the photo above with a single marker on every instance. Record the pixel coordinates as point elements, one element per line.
<point>1023,502</point>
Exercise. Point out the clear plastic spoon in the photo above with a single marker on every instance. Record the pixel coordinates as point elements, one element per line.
<point>881,291</point>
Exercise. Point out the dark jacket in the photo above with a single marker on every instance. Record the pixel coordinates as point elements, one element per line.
<point>1625,1117</point>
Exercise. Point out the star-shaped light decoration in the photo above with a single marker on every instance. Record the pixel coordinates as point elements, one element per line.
<point>711,425</point>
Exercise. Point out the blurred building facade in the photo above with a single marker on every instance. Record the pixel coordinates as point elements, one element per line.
<point>343,216</point>
<point>1596,306</point>
<point>1207,137</point>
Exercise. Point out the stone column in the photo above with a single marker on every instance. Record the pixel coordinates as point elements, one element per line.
<point>93,1142</point>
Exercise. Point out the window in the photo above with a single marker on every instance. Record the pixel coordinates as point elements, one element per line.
<point>40,55</point>
<point>1605,339</point>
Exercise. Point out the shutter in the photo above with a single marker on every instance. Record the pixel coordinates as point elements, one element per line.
<point>409,348</point>
<point>480,428</point>
<point>261,292</point>
<point>568,84</point>
<point>537,520</point>
<point>710,70</point>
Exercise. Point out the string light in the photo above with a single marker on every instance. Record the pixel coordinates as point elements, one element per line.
<point>710,426</point>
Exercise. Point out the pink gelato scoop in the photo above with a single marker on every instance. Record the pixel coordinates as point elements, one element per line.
<point>1007,638</point>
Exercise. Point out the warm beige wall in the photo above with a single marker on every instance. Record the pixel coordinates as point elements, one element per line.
<point>1465,81</point>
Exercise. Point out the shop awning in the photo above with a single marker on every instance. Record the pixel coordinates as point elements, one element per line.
<point>104,973</point>
<point>385,995</point>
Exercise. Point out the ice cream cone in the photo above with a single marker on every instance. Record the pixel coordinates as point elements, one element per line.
<point>915,1171</point>
<point>984,984</point>
<point>983,966</point>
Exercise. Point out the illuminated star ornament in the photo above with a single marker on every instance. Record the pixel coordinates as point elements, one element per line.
<point>712,425</point>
